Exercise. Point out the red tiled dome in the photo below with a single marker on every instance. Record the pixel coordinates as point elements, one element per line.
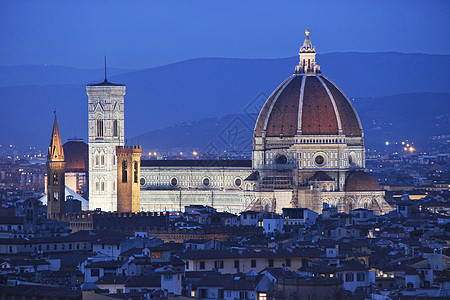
<point>360,181</point>
<point>307,104</point>
<point>76,156</point>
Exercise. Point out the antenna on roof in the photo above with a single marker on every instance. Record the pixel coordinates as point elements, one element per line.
<point>105,71</point>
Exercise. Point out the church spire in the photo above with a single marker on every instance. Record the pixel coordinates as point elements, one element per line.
<point>307,57</point>
<point>55,151</point>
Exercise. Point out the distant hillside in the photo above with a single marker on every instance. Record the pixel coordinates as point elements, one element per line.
<point>196,89</point>
<point>415,117</point>
<point>50,74</point>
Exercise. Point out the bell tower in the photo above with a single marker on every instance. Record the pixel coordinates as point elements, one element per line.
<point>106,132</point>
<point>128,175</point>
<point>55,175</point>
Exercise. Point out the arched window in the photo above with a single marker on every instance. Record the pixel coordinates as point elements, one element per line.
<point>99,128</point>
<point>124,171</point>
<point>135,171</point>
<point>55,178</point>
<point>115,128</point>
<point>103,159</point>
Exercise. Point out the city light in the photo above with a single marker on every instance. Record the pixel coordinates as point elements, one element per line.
<point>194,153</point>
<point>154,153</point>
<point>411,149</point>
<point>387,143</point>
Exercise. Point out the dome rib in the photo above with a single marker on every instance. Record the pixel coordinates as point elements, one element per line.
<point>282,119</point>
<point>260,125</point>
<point>336,111</point>
<point>300,106</point>
<point>351,124</point>
<point>318,116</point>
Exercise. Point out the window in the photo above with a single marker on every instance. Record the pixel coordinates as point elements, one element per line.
<point>243,295</point>
<point>236,264</point>
<point>320,160</point>
<point>168,276</point>
<point>103,186</point>
<point>360,276</point>
<point>202,293</point>
<point>288,262</point>
<point>270,262</point>
<point>156,255</point>
<point>238,182</point>
<point>218,264</point>
<point>55,179</point>
<point>55,196</point>
<point>95,272</point>
<point>349,277</point>
<point>115,128</point>
<point>187,265</point>
<point>99,128</point>
<point>173,182</point>
<point>281,159</point>
<point>124,171</point>
<point>202,265</point>
<point>253,263</point>
<point>97,160</point>
<point>136,169</point>
<point>262,296</point>
<point>97,186</point>
<point>206,181</point>
<point>102,160</point>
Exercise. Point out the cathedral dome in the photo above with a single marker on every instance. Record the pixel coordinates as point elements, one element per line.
<point>307,103</point>
<point>76,156</point>
<point>360,181</point>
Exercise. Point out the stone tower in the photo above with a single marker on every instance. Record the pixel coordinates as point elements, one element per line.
<point>128,175</point>
<point>55,175</point>
<point>106,132</point>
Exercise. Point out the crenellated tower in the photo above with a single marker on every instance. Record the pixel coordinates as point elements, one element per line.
<point>56,166</point>
<point>106,132</point>
<point>128,176</point>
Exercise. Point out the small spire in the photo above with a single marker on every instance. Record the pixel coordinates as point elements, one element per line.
<point>307,31</point>
<point>106,78</point>
<point>55,150</point>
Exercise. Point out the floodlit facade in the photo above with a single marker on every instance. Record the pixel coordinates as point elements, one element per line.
<point>106,132</point>
<point>308,151</point>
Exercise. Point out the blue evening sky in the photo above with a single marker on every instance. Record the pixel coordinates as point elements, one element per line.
<point>139,34</point>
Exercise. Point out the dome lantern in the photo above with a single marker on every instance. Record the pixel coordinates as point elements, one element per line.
<point>307,57</point>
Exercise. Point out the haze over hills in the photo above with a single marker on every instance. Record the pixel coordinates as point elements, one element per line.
<point>383,118</point>
<point>208,88</point>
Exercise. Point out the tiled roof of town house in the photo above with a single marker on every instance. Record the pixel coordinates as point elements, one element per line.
<point>108,264</point>
<point>112,279</point>
<point>243,282</point>
<point>39,292</point>
<point>153,280</point>
<point>352,265</point>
